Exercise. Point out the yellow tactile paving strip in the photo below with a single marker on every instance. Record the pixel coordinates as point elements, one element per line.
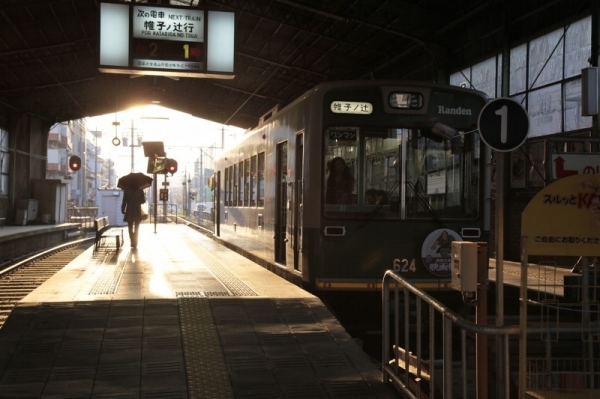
<point>206,370</point>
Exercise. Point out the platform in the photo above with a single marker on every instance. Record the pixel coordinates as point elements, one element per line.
<point>17,241</point>
<point>180,317</point>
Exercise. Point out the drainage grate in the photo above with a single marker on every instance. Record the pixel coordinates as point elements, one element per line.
<point>50,324</point>
<point>303,391</point>
<point>254,363</point>
<point>38,347</point>
<point>125,321</point>
<point>116,370</point>
<point>229,319</point>
<point>277,339</point>
<point>163,342</point>
<point>290,362</point>
<point>72,373</point>
<point>80,346</point>
<point>299,318</point>
<point>313,337</point>
<point>161,320</point>
<point>230,340</point>
<point>156,395</point>
<point>162,367</point>
<point>21,376</point>
<point>256,391</point>
<point>266,319</point>
<point>347,389</point>
<point>329,360</point>
<point>120,344</point>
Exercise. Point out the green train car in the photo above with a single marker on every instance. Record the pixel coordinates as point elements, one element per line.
<point>355,178</point>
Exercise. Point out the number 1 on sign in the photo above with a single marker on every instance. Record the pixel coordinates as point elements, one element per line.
<point>503,112</point>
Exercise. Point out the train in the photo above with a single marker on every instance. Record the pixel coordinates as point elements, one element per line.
<point>354,178</point>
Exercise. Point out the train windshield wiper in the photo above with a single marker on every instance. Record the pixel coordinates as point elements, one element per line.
<point>423,201</point>
<point>380,205</point>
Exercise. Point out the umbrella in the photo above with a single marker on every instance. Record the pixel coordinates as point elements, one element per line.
<point>134,180</point>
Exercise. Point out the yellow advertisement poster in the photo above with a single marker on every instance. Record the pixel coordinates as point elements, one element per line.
<point>564,218</point>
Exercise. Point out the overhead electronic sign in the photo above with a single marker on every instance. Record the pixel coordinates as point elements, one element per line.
<point>149,39</point>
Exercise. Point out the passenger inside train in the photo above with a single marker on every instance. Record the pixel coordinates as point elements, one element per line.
<point>340,183</point>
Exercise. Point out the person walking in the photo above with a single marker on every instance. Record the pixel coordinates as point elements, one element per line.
<point>131,208</point>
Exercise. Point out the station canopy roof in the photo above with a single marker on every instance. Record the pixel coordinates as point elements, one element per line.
<point>49,52</point>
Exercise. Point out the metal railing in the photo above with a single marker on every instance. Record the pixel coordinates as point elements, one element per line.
<point>205,219</point>
<point>166,213</point>
<point>420,325</point>
<point>82,214</point>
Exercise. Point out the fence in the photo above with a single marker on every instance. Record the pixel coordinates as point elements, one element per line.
<point>84,215</point>
<point>429,351</point>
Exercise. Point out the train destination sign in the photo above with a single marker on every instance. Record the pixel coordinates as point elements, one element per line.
<point>151,39</point>
<point>351,107</point>
<point>168,40</point>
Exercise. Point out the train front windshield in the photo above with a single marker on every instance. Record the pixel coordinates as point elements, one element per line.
<point>399,174</point>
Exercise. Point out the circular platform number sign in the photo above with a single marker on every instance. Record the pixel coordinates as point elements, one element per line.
<point>503,124</point>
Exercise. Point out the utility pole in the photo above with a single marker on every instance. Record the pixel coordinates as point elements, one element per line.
<point>131,145</point>
<point>201,185</point>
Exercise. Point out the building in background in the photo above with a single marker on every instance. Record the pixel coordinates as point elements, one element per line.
<point>74,138</point>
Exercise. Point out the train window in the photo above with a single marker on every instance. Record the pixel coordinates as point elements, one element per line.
<point>441,183</point>
<point>371,154</point>
<point>340,165</point>
<point>386,173</point>
<point>225,187</point>
<point>230,185</point>
<point>236,187</point>
<point>260,180</point>
<point>253,181</point>
<point>246,182</point>
<point>240,184</point>
<point>381,173</point>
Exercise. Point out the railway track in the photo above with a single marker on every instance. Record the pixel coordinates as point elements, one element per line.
<point>20,278</point>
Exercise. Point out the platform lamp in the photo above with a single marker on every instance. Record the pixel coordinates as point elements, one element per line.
<point>116,141</point>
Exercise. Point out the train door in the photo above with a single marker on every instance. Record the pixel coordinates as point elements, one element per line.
<point>297,202</point>
<point>281,200</point>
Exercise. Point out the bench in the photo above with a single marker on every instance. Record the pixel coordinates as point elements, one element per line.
<point>104,230</point>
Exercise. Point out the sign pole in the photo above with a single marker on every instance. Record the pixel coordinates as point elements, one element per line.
<point>155,201</point>
<point>500,268</point>
<point>503,125</point>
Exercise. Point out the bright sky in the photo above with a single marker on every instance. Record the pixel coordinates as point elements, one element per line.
<point>183,135</point>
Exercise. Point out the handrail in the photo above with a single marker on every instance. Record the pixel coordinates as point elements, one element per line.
<point>391,368</point>
<point>406,368</point>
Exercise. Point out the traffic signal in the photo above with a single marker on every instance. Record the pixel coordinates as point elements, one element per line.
<point>74,163</point>
<point>171,166</point>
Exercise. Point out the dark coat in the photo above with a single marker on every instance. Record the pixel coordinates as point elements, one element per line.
<point>131,207</point>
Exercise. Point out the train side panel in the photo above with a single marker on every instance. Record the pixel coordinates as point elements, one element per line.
<point>263,231</point>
